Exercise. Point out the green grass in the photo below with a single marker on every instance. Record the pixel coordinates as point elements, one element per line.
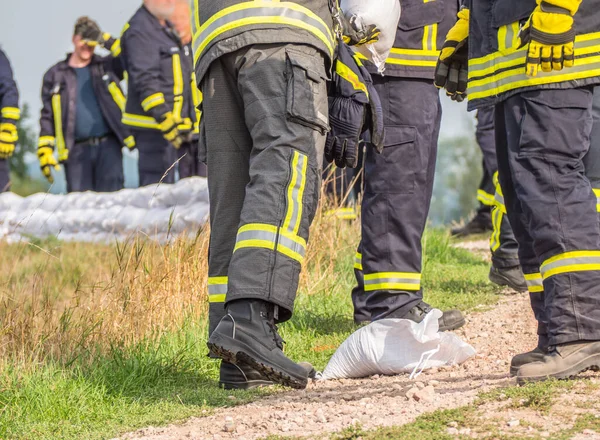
<point>169,378</point>
<point>27,187</point>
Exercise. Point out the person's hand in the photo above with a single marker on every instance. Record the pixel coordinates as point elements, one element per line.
<point>47,162</point>
<point>451,71</point>
<point>168,126</point>
<point>550,36</point>
<point>8,139</point>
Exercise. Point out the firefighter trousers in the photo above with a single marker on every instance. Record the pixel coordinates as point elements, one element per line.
<point>157,158</point>
<point>4,176</point>
<point>398,190</point>
<point>189,164</point>
<point>541,139</point>
<point>265,118</point>
<point>503,243</point>
<point>484,134</point>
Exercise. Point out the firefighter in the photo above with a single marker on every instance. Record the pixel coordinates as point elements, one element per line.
<point>262,68</point>
<point>9,115</point>
<point>484,133</point>
<point>189,161</point>
<point>537,63</point>
<point>399,182</point>
<point>82,104</point>
<point>160,106</point>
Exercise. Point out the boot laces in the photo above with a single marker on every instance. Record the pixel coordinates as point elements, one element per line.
<point>276,336</point>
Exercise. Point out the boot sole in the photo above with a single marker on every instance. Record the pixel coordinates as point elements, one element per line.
<point>501,281</point>
<point>448,328</point>
<point>234,352</point>
<point>251,384</point>
<point>514,371</point>
<point>589,363</point>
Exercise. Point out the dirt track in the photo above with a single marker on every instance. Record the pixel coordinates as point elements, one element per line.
<point>496,334</point>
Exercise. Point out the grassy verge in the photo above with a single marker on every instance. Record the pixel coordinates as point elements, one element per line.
<point>97,340</point>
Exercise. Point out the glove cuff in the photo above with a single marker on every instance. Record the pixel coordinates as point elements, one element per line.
<point>553,39</point>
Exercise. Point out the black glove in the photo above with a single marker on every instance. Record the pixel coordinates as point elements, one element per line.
<point>357,37</point>
<point>451,71</point>
<point>342,144</point>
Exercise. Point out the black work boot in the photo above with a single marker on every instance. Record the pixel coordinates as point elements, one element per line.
<point>508,276</point>
<point>450,320</point>
<point>247,335</point>
<point>243,377</point>
<point>562,362</point>
<point>481,223</point>
<point>535,355</point>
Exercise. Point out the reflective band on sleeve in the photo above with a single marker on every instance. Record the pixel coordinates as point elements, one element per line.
<point>58,128</point>
<point>502,71</point>
<point>217,289</point>
<point>117,95</point>
<point>115,49</point>
<point>413,57</point>
<point>346,73</point>
<point>153,101</point>
<point>259,12</point>
<point>140,121</point>
<point>295,192</point>
<point>392,281</point>
<point>358,261</point>
<point>484,198</point>
<point>260,235</point>
<point>11,113</point>
<point>597,194</point>
<point>46,141</point>
<point>574,261</point>
<point>535,283</point>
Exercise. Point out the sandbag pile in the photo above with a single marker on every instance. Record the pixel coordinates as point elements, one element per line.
<point>157,211</point>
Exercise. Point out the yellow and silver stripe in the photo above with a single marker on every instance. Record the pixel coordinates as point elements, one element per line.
<point>430,34</point>
<point>535,282</point>
<point>569,262</point>
<point>358,261</point>
<point>153,101</point>
<point>61,147</point>
<point>258,12</point>
<point>217,289</point>
<point>485,198</point>
<point>264,236</point>
<point>413,57</point>
<point>117,95</point>
<point>597,194</point>
<point>392,281</point>
<point>11,113</point>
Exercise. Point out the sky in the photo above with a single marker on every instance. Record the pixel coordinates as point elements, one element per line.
<point>35,34</point>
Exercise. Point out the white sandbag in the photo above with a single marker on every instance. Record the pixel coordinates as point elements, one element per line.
<point>394,346</point>
<point>385,14</point>
<point>157,211</point>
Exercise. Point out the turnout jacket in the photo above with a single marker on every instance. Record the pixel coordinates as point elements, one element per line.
<point>421,34</point>
<point>497,65</point>
<point>59,97</point>
<point>9,94</point>
<point>221,27</point>
<point>159,74</point>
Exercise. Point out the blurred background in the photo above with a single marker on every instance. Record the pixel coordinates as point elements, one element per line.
<point>35,40</point>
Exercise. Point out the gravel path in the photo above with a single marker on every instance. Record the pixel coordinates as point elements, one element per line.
<point>331,406</point>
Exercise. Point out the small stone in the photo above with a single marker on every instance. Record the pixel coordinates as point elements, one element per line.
<point>411,393</point>
<point>427,394</point>
<point>453,424</point>
<point>229,424</point>
<point>375,376</point>
<point>420,385</point>
<point>232,397</point>
<point>483,335</point>
<point>464,431</point>
<point>513,423</point>
<point>544,434</point>
<point>452,431</point>
<point>434,383</point>
<point>285,428</point>
<point>320,416</point>
<point>240,429</point>
<point>299,421</point>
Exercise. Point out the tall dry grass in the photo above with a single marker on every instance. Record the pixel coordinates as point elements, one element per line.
<point>71,301</point>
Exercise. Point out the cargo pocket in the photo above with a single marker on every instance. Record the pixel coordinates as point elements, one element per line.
<point>306,91</point>
<point>396,168</point>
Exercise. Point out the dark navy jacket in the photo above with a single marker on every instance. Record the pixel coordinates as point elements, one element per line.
<point>159,73</point>
<point>59,96</point>
<point>9,94</point>
<point>497,65</point>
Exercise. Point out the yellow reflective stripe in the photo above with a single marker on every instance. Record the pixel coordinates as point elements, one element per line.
<point>508,36</point>
<point>117,95</point>
<point>346,73</point>
<point>295,192</point>
<point>430,34</point>
<point>485,198</point>
<point>358,261</point>
<point>535,282</point>
<point>342,213</point>
<point>413,57</point>
<point>260,235</point>
<point>58,128</point>
<point>497,216</point>
<point>392,281</point>
<point>115,49</point>
<point>217,289</point>
<point>139,121</point>
<point>574,261</point>
<point>46,141</point>
<point>11,113</point>
<point>197,98</point>
<point>261,12</point>
<point>597,194</point>
<point>153,101</point>
<point>177,87</point>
